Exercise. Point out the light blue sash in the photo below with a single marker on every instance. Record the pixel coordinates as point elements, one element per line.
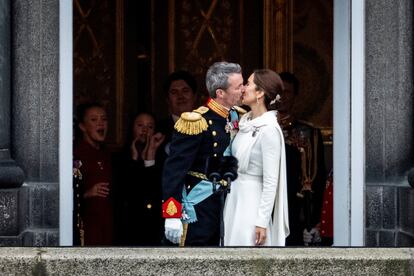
<point>234,116</point>
<point>204,188</point>
<point>201,191</point>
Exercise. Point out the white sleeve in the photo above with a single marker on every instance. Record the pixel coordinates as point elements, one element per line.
<point>270,151</point>
<point>149,163</point>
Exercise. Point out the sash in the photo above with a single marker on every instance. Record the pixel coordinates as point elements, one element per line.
<point>201,191</point>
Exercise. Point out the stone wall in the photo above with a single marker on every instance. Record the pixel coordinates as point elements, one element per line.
<point>33,209</point>
<point>206,261</point>
<point>389,122</point>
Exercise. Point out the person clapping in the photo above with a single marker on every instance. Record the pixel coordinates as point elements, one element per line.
<point>139,185</point>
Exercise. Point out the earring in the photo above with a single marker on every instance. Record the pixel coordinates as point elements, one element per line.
<point>257,100</point>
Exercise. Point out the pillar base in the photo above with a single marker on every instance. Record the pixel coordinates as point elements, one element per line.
<point>11,176</point>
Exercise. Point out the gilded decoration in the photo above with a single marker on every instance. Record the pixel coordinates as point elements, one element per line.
<point>298,37</point>
<point>202,32</point>
<point>313,50</point>
<point>97,58</point>
<point>205,35</point>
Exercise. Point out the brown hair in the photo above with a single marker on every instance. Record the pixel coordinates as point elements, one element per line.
<point>270,83</point>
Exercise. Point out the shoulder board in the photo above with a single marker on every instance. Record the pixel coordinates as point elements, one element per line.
<point>240,110</point>
<point>201,110</point>
<point>191,123</point>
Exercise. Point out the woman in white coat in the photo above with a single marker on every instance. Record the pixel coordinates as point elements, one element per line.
<point>255,212</point>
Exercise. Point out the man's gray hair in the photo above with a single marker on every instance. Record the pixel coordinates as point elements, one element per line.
<point>218,74</point>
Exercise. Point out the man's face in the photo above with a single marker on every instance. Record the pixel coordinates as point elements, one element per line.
<point>181,97</point>
<point>287,98</point>
<point>232,95</point>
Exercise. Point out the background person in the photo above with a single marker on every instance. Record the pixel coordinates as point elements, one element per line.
<point>305,163</point>
<point>93,178</point>
<point>180,89</point>
<point>138,177</point>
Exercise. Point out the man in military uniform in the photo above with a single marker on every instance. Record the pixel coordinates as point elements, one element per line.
<point>200,138</point>
<point>305,165</point>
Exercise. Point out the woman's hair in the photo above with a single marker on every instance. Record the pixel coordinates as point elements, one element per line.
<point>218,75</point>
<point>83,108</point>
<point>271,84</point>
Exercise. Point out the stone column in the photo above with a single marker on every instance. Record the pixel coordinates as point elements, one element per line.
<point>11,176</point>
<point>389,122</point>
<point>29,112</point>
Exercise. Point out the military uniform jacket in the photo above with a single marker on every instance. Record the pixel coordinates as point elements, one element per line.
<point>190,153</point>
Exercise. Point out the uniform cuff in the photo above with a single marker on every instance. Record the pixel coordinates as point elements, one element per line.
<point>149,163</point>
<point>171,208</point>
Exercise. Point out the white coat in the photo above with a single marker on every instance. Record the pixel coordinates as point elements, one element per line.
<point>260,189</point>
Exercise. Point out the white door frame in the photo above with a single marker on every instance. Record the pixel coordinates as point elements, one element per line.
<point>349,122</point>
<point>65,122</point>
<point>349,138</point>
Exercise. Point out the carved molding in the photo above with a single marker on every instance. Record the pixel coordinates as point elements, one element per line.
<point>277,35</point>
<point>202,33</point>
<point>99,59</point>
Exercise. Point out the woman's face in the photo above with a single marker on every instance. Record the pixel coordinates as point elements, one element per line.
<point>249,95</point>
<point>94,125</point>
<point>144,125</point>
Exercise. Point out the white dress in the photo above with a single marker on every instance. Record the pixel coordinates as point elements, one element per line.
<point>260,189</point>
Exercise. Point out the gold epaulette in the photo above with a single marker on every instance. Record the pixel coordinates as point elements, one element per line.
<point>240,110</point>
<point>201,110</point>
<point>192,123</point>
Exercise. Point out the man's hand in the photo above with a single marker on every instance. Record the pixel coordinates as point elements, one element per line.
<point>311,236</point>
<point>173,229</point>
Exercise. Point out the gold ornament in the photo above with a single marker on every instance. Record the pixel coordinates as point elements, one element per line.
<point>171,208</point>
<point>191,123</point>
<point>240,110</point>
<point>201,110</point>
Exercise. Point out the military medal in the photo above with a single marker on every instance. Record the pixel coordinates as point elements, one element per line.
<point>229,126</point>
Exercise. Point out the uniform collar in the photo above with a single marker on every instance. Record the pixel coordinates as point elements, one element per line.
<point>218,108</point>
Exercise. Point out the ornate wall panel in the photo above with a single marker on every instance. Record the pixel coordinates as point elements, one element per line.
<point>298,37</point>
<point>312,63</point>
<point>202,32</point>
<point>98,59</point>
<point>277,35</point>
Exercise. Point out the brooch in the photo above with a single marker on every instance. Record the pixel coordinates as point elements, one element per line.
<point>256,130</point>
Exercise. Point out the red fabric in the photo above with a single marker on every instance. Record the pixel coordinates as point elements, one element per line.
<point>175,213</point>
<point>326,229</point>
<point>96,212</point>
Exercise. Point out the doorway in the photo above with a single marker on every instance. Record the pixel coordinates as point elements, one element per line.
<point>148,65</point>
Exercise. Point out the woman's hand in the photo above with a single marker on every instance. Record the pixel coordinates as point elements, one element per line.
<point>134,151</point>
<point>100,189</point>
<point>260,235</point>
<point>144,153</point>
<point>154,142</point>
